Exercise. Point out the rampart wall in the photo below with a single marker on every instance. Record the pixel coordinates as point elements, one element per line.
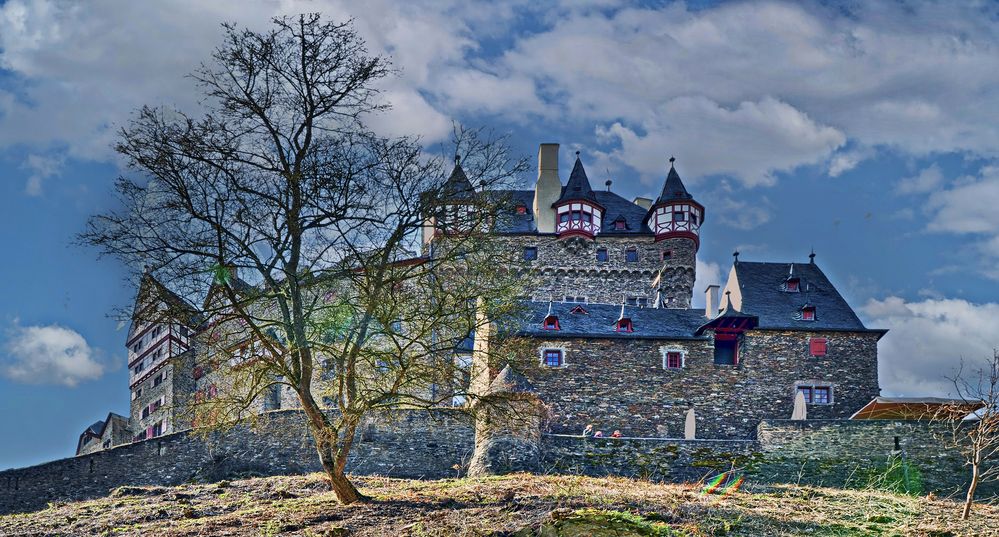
<point>438,444</point>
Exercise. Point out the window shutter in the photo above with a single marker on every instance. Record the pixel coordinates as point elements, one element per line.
<point>149,432</point>
<point>817,346</point>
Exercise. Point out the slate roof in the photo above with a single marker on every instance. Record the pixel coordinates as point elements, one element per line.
<point>661,323</point>
<point>613,204</point>
<point>762,295</point>
<point>457,185</point>
<point>97,427</point>
<point>578,187</point>
<point>673,189</point>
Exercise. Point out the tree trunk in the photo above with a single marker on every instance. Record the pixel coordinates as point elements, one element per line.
<point>345,491</point>
<point>970,498</point>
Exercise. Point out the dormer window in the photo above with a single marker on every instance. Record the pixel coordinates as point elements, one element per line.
<point>792,285</point>
<point>550,323</point>
<point>579,310</point>
<point>808,313</point>
<point>623,325</point>
<point>522,209</point>
<point>620,225</point>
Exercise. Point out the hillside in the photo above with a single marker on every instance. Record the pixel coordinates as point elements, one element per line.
<point>520,505</point>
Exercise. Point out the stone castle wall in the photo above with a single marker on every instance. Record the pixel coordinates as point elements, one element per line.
<point>570,268</point>
<point>438,444</point>
<point>411,444</point>
<point>621,383</point>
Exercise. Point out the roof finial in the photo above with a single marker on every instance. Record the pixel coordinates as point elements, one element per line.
<point>811,257</point>
<point>735,254</point>
<point>790,273</point>
<point>672,159</point>
<point>608,184</point>
<point>577,153</point>
<point>457,160</point>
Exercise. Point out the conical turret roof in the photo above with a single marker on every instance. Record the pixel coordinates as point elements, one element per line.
<point>457,185</point>
<point>578,187</point>
<point>673,189</point>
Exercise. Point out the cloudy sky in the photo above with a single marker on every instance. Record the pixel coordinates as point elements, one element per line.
<point>867,131</point>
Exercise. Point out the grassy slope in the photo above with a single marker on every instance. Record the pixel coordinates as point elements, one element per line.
<point>518,504</point>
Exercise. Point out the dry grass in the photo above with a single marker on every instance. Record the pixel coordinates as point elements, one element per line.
<point>518,504</point>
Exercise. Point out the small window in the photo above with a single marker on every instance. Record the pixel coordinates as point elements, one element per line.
<point>574,299</point>
<point>679,217</point>
<point>639,301</point>
<point>808,313</point>
<point>553,357</point>
<point>136,348</point>
<point>623,325</point>
<point>792,285</point>
<point>522,209</point>
<point>666,254</point>
<point>158,380</point>
<point>530,253</point>
<point>817,346</point>
<point>602,255</point>
<point>145,412</point>
<point>817,395</point>
<point>550,322</point>
<point>620,225</point>
<point>631,255</point>
<point>674,360</point>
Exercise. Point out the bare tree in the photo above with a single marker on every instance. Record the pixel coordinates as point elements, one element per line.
<point>304,222</point>
<point>977,437</point>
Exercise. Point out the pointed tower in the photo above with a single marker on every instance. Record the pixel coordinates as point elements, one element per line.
<point>548,188</point>
<point>676,220</point>
<point>453,210</point>
<point>577,212</point>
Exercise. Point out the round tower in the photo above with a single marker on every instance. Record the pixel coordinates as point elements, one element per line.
<point>577,212</point>
<point>676,220</point>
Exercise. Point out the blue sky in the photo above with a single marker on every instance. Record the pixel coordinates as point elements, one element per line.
<point>867,132</point>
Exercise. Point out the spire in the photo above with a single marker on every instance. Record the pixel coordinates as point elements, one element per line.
<point>457,185</point>
<point>673,189</point>
<point>578,187</point>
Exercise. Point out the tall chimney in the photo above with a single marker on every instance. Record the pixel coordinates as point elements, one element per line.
<point>548,188</point>
<point>711,301</point>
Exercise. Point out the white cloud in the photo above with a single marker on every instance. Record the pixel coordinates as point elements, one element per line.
<point>49,354</point>
<point>925,181</point>
<point>845,161</point>
<point>41,167</point>
<point>927,341</point>
<point>747,89</point>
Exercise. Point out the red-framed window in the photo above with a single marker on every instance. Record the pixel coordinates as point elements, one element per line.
<point>808,313</point>
<point>674,360</point>
<point>817,346</point>
<point>623,325</point>
<point>620,225</point>
<point>522,209</point>
<point>550,323</point>
<point>792,285</point>
<point>576,216</point>
<point>679,216</point>
<point>553,357</point>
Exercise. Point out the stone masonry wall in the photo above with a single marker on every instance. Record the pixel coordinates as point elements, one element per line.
<point>621,383</point>
<point>841,453</point>
<point>656,459</point>
<point>570,268</point>
<point>402,443</point>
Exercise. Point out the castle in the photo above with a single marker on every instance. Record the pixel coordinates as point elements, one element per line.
<point>613,341</point>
